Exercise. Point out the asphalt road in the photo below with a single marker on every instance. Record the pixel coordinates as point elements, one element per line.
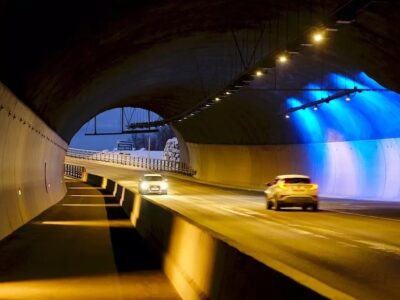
<point>84,247</point>
<point>348,246</point>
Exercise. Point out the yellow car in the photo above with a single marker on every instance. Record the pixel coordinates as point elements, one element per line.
<point>292,190</point>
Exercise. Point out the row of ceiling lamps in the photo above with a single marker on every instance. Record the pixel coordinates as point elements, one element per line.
<point>317,37</point>
<point>315,107</point>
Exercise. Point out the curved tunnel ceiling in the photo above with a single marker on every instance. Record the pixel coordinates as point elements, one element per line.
<point>70,60</point>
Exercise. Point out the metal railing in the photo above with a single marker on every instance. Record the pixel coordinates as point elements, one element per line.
<point>134,161</point>
<point>73,171</point>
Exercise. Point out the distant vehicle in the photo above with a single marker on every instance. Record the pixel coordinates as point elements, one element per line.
<point>153,184</point>
<point>292,191</point>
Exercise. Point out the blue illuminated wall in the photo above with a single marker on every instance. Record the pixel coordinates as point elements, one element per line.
<point>353,148</point>
<point>369,114</point>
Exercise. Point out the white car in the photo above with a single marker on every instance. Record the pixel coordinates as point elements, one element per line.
<point>153,184</point>
<point>291,191</point>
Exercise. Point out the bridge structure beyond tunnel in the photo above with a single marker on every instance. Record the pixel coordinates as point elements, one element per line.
<point>252,89</point>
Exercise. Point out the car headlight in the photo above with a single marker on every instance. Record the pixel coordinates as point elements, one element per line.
<point>164,185</point>
<point>144,185</point>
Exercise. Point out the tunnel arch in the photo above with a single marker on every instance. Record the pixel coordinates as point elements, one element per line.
<point>171,56</point>
<point>138,56</point>
<point>105,129</point>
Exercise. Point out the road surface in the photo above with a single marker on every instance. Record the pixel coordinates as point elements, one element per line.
<point>349,246</point>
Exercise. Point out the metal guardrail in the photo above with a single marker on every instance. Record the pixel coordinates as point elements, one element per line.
<point>73,171</point>
<point>134,161</point>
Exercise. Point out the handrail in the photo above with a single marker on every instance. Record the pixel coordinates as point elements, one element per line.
<point>74,171</point>
<point>135,161</point>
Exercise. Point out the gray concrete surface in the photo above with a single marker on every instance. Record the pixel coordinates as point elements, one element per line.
<point>352,247</point>
<point>84,247</point>
<point>31,164</point>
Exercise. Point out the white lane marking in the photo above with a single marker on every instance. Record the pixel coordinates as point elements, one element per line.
<point>361,215</point>
<point>373,245</point>
<point>381,246</point>
<point>93,196</point>
<point>287,225</point>
<point>84,188</point>
<point>299,229</point>
<point>232,211</point>
<point>327,231</point>
<point>309,233</point>
<point>347,244</point>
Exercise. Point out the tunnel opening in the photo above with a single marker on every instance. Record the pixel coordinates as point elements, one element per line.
<point>130,131</point>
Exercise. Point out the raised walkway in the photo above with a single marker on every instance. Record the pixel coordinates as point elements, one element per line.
<point>82,248</point>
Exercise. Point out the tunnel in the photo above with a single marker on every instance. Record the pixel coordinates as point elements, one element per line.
<point>212,71</point>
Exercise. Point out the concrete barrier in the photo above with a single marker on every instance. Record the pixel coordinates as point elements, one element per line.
<point>94,180</point>
<point>31,164</point>
<point>110,186</point>
<point>199,263</point>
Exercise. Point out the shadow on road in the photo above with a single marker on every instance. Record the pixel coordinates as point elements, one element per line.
<point>73,238</point>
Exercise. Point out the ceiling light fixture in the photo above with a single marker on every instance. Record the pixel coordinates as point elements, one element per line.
<point>345,21</point>
<point>346,94</point>
<point>331,29</point>
<point>282,58</point>
<point>318,37</point>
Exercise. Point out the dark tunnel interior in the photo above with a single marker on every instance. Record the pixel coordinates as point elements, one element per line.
<point>70,60</point>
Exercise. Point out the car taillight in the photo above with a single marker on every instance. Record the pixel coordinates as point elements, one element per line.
<point>314,187</point>
<point>282,185</point>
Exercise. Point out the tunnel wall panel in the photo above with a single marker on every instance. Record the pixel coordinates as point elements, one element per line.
<point>31,164</point>
<point>367,169</point>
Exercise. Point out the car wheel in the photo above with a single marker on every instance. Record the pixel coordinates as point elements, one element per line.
<point>277,206</point>
<point>315,207</point>
<point>269,204</point>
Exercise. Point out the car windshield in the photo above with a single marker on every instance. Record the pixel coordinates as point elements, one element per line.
<point>153,178</point>
<point>297,180</point>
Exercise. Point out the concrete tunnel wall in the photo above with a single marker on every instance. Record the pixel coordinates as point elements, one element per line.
<point>31,164</point>
<point>367,169</point>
